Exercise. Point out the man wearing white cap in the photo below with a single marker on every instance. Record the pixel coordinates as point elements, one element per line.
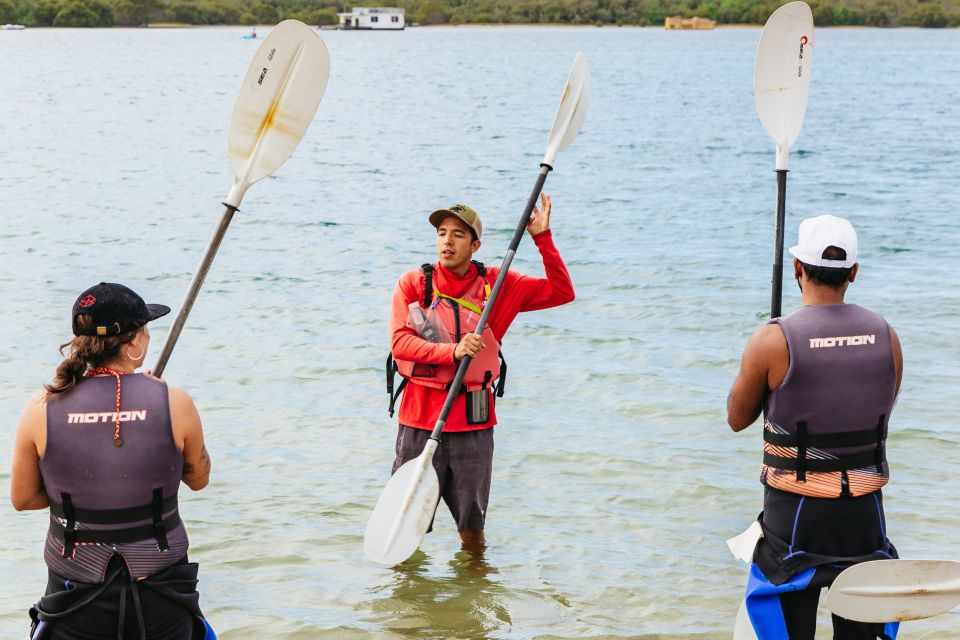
<point>825,379</point>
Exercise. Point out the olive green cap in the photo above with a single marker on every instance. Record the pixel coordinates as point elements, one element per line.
<point>461,211</point>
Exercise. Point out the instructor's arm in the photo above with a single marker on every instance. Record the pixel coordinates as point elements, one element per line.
<point>532,294</point>
<point>188,432</point>
<point>26,482</point>
<point>762,369</point>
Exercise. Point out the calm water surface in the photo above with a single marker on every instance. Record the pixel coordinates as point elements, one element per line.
<point>616,479</point>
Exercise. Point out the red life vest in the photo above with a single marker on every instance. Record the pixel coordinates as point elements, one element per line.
<point>457,316</point>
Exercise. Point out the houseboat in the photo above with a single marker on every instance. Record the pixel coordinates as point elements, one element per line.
<point>372,18</point>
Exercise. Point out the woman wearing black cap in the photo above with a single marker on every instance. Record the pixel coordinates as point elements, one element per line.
<point>105,449</point>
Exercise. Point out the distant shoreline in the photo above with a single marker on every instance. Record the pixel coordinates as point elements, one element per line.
<point>481,25</point>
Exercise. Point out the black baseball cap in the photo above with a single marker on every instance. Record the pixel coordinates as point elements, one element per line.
<point>114,309</point>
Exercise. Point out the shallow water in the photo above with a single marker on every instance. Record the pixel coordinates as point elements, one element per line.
<point>616,479</point>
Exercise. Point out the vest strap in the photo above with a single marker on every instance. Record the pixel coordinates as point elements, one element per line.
<point>428,285</point>
<point>391,376</point>
<point>113,516</point>
<point>881,451</point>
<point>159,529</point>
<point>832,464</point>
<point>69,534</point>
<point>115,536</point>
<point>823,440</point>
<point>502,378</point>
<point>801,459</point>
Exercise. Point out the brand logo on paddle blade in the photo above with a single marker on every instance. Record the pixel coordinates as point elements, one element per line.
<point>842,341</point>
<point>262,74</point>
<point>87,302</point>
<point>270,55</point>
<point>803,41</point>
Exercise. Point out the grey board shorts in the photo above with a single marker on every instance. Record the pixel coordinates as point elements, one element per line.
<point>464,463</point>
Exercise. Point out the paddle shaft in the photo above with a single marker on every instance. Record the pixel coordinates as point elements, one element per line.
<point>488,307</point>
<point>194,289</point>
<point>776,297</point>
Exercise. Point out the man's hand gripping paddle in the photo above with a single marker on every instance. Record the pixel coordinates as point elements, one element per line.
<point>277,101</point>
<point>781,84</point>
<point>408,501</point>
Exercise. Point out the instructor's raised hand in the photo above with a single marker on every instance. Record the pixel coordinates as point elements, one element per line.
<point>540,220</point>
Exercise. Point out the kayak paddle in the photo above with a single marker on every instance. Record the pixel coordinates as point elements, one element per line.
<point>895,590</point>
<point>406,506</point>
<point>743,629</point>
<point>277,101</point>
<point>781,84</point>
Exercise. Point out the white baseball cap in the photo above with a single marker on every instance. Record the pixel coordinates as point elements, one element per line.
<point>819,233</point>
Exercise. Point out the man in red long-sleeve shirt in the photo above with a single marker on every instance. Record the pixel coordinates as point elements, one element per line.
<point>428,358</point>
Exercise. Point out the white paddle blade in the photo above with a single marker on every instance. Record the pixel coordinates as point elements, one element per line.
<point>743,629</point>
<point>403,512</point>
<point>572,109</point>
<point>277,102</point>
<point>782,74</point>
<point>895,590</point>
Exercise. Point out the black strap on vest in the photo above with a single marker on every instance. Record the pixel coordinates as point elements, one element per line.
<point>428,280</point>
<point>113,516</point>
<point>502,378</point>
<point>159,529</point>
<point>803,440</point>
<point>881,450</point>
<point>69,534</point>
<point>154,511</point>
<point>391,375</point>
<point>428,285</point>
<point>802,451</point>
<point>116,536</point>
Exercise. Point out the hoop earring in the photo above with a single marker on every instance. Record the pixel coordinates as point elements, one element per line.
<point>127,353</point>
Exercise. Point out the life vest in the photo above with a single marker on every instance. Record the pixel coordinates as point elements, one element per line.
<point>825,427</point>
<point>457,317</point>
<point>105,499</point>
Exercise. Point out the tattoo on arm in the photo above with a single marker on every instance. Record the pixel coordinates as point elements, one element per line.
<point>187,469</point>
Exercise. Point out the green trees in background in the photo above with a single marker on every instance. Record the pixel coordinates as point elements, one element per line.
<point>8,12</point>
<point>84,13</point>
<point>878,13</point>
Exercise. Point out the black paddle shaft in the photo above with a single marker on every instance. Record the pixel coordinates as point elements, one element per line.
<point>482,323</point>
<point>194,289</point>
<point>777,281</point>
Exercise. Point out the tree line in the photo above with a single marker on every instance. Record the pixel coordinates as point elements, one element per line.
<point>106,13</point>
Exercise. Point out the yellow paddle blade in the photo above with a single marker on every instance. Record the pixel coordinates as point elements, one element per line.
<point>572,109</point>
<point>277,102</point>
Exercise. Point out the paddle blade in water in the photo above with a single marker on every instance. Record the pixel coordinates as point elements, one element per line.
<point>403,512</point>
<point>277,102</point>
<point>782,74</point>
<point>895,590</point>
<point>572,109</point>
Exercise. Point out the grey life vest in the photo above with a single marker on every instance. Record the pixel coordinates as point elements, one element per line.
<point>107,500</point>
<point>825,427</point>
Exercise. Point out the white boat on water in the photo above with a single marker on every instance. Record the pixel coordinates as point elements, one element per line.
<point>373,19</point>
<point>13,27</point>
